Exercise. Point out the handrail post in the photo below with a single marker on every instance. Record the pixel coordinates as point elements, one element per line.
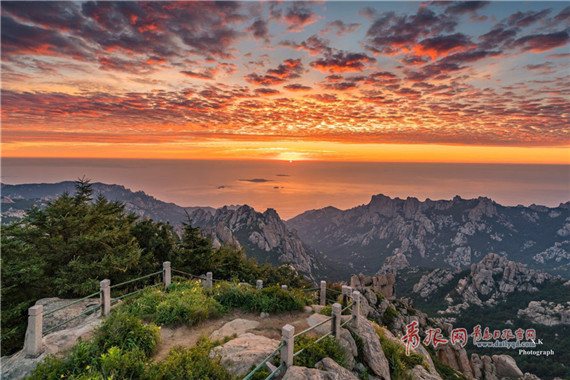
<point>259,284</point>
<point>288,338</point>
<point>336,312</point>
<point>166,274</point>
<point>323,293</point>
<point>284,287</point>
<point>34,340</point>
<point>209,279</point>
<point>105,288</point>
<point>344,295</point>
<point>356,307</point>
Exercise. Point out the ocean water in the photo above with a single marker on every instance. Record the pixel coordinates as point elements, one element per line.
<point>294,187</point>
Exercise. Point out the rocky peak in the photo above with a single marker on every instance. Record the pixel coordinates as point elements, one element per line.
<point>264,235</point>
<point>492,279</point>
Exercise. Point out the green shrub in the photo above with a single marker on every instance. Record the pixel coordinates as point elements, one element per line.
<point>82,357</point>
<point>192,363</point>
<point>399,362</point>
<point>185,302</point>
<point>270,299</point>
<point>327,310</point>
<point>389,315</point>
<point>123,364</point>
<point>315,352</point>
<point>128,333</point>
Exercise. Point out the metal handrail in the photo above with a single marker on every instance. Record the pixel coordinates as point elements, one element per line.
<point>188,274</point>
<point>275,372</point>
<point>347,307</point>
<point>135,292</point>
<point>135,279</point>
<point>314,327</point>
<point>71,303</point>
<point>249,375</point>
<point>71,319</point>
<point>348,320</point>
<point>323,337</point>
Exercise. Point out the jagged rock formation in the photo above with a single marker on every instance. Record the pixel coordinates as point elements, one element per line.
<point>381,283</point>
<point>263,235</point>
<point>431,282</point>
<point>394,263</point>
<point>491,280</point>
<point>547,313</point>
<point>452,233</point>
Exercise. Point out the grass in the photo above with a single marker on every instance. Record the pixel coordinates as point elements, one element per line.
<point>400,363</point>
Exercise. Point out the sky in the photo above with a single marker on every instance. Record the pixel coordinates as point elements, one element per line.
<point>334,81</point>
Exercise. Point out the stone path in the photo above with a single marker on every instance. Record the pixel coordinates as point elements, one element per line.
<point>269,326</point>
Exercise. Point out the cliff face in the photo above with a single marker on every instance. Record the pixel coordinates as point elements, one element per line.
<point>263,235</point>
<point>446,233</point>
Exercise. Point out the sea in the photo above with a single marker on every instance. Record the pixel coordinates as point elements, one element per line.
<point>294,187</point>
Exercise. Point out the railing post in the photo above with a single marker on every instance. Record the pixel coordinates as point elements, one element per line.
<point>344,295</point>
<point>166,274</point>
<point>288,338</point>
<point>284,287</point>
<point>259,284</point>
<point>209,280</point>
<point>105,287</point>
<point>34,341</point>
<point>356,307</point>
<point>323,293</point>
<point>336,311</point>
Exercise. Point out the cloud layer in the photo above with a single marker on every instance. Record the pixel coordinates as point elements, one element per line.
<point>467,73</point>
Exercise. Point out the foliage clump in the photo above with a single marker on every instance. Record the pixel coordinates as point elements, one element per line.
<point>315,352</point>
<point>399,362</point>
<point>389,315</point>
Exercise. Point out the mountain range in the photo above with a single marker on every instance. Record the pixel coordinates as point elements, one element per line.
<point>369,238</point>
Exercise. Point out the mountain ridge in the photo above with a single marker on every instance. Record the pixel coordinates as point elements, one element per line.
<point>443,233</point>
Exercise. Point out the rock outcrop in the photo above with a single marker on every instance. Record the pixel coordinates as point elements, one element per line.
<point>489,281</point>
<point>431,282</point>
<point>394,263</point>
<point>238,327</point>
<point>264,235</point>
<point>240,354</point>
<point>546,313</point>
<point>372,349</point>
<point>496,367</point>
<point>381,283</point>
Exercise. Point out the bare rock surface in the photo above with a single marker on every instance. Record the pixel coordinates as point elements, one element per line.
<point>372,349</point>
<point>240,354</point>
<point>237,326</point>
<point>506,367</point>
<point>315,319</point>
<point>547,313</point>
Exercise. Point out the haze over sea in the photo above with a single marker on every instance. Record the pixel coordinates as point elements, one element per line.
<point>294,187</point>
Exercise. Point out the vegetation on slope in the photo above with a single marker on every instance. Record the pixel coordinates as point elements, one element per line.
<point>72,244</point>
<point>123,346</point>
